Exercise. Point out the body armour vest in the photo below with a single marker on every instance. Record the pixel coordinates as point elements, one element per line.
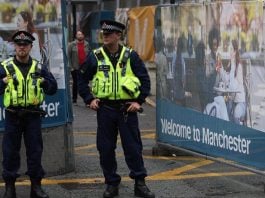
<point>21,92</point>
<point>115,83</point>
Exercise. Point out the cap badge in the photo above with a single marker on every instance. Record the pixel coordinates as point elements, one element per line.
<point>22,36</point>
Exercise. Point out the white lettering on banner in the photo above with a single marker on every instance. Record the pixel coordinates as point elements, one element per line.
<point>215,139</point>
<point>140,37</point>
<point>51,108</point>
<point>174,129</point>
<point>224,141</point>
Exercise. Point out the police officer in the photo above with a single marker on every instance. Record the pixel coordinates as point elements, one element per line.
<point>120,84</point>
<point>23,83</point>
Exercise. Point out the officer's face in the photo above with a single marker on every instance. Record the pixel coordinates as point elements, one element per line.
<point>22,49</point>
<point>111,38</point>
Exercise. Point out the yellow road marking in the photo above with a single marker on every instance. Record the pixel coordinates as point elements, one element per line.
<point>150,178</point>
<point>78,148</point>
<point>182,169</point>
<point>85,134</point>
<point>166,175</point>
<point>200,175</point>
<point>182,158</point>
<point>91,133</point>
<point>149,136</point>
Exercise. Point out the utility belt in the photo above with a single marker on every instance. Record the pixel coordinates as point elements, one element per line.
<point>117,105</point>
<point>114,104</point>
<point>24,111</point>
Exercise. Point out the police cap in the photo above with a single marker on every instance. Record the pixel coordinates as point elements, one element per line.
<point>111,26</point>
<point>23,37</point>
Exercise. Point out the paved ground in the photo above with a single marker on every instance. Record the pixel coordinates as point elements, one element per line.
<point>169,176</point>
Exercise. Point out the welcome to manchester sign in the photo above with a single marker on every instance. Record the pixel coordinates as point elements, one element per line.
<point>201,107</point>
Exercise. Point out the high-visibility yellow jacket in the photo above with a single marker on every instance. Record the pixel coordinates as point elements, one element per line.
<point>20,91</point>
<point>118,82</point>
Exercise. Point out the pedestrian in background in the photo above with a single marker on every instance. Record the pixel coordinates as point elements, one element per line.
<point>23,83</point>
<point>120,84</point>
<point>25,23</point>
<point>77,52</point>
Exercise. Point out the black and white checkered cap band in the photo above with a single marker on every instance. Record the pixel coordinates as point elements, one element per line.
<point>111,28</point>
<point>23,37</point>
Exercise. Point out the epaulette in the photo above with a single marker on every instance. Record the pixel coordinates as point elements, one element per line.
<point>99,54</point>
<point>124,60</point>
<point>10,68</point>
<point>7,60</point>
<point>126,55</point>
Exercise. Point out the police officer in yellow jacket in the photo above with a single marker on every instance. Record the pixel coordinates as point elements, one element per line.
<point>120,84</point>
<point>23,84</point>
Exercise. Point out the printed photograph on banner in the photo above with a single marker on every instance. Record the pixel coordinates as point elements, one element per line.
<point>43,20</point>
<point>233,58</point>
<point>211,98</point>
<point>212,62</point>
<point>178,29</point>
<point>235,64</point>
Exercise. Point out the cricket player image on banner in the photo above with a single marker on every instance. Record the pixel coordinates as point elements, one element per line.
<point>210,79</point>
<point>43,20</point>
<point>178,30</point>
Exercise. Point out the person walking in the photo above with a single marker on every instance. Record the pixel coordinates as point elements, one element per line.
<point>23,84</point>
<point>77,51</point>
<point>120,84</point>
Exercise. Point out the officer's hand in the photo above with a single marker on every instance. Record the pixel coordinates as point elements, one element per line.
<point>6,79</point>
<point>41,80</point>
<point>134,107</point>
<point>94,104</point>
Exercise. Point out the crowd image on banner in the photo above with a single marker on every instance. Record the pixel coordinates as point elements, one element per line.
<point>206,61</point>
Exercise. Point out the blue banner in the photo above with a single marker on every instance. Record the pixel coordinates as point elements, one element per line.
<point>210,79</point>
<point>209,136</point>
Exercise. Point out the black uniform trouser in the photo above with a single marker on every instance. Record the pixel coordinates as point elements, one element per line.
<point>28,126</point>
<point>110,121</point>
<point>74,74</point>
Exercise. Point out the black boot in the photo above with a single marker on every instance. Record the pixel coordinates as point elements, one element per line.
<point>10,190</point>
<point>141,190</point>
<point>36,190</point>
<point>111,191</point>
